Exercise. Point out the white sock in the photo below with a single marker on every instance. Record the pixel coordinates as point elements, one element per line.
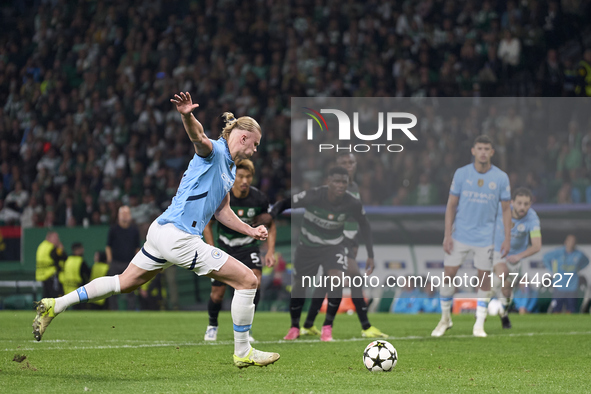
<point>496,290</point>
<point>242,317</point>
<point>505,302</point>
<point>96,290</point>
<point>446,298</point>
<point>482,307</point>
<point>446,309</point>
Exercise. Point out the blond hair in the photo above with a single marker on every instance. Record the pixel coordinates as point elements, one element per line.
<point>243,123</point>
<point>245,164</point>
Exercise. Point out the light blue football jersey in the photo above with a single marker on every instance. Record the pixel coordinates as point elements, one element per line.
<point>478,205</point>
<point>205,183</point>
<point>520,231</point>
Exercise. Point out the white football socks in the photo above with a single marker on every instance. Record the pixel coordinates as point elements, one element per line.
<point>242,317</point>
<point>446,299</point>
<point>96,290</point>
<point>482,307</point>
<point>505,302</point>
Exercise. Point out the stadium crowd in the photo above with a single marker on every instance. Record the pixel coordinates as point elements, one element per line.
<point>86,124</point>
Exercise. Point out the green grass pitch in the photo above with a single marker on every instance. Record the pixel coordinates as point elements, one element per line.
<point>165,352</point>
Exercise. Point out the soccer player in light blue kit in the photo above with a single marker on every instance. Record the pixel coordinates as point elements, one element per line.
<point>472,208</point>
<point>176,236</point>
<point>525,226</point>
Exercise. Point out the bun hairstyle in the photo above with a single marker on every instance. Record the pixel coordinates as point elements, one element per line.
<point>229,118</point>
<point>243,123</point>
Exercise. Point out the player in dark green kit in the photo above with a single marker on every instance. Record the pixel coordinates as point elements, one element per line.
<point>247,202</point>
<point>320,244</point>
<point>351,243</point>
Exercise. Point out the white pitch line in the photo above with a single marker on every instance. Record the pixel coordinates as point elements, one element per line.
<point>226,343</point>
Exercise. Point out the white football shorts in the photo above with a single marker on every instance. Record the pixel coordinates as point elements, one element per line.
<point>513,268</point>
<point>167,245</point>
<point>482,256</point>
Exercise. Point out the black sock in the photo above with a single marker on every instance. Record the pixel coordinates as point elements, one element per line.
<point>334,301</point>
<point>295,310</point>
<point>360,307</point>
<point>257,298</point>
<point>213,309</point>
<point>315,306</point>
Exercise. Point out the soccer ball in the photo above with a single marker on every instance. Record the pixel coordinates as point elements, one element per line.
<point>380,356</point>
<point>494,307</point>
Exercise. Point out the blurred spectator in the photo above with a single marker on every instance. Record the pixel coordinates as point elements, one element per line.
<point>31,214</point>
<point>509,52</point>
<point>525,299</point>
<point>8,216</point>
<point>48,267</point>
<point>152,294</point>
<point>123,242</point>
<point>430,300</point>
<point>584,75</point>
<point>425,193</point>
<point>565,263</point>
<point>67,214</point>
<point>551,76</point>
<point>408,300</point>
<point>99,269</point>
<point>84,95</point>
<point>18,198</point>
<point>75,272</point>
<point>565,194</point>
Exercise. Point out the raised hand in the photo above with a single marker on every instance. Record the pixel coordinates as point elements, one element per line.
<point>183,103</point>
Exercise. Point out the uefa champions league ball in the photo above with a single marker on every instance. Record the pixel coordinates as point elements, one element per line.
<point>494,307</point>
<point>380,356</point>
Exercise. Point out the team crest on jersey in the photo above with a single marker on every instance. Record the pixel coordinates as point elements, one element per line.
<point>250,212</point>
<point>216,254</point>
<point>492,186</point>
<point>341,217</point>
<point>480,182</point>
<point>241,212</point>
<point>521,227</point>
<point>330,216</point>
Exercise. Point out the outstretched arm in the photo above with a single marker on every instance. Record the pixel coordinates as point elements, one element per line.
<point>536,245</point>
<point>279,207</point>
<point>450,216</point>
<point>365,233</point>
<point>506,245</point>
<point>228,218</point>
<point>270,256</point>
<point>300,200</point>
<point>194,129</point>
